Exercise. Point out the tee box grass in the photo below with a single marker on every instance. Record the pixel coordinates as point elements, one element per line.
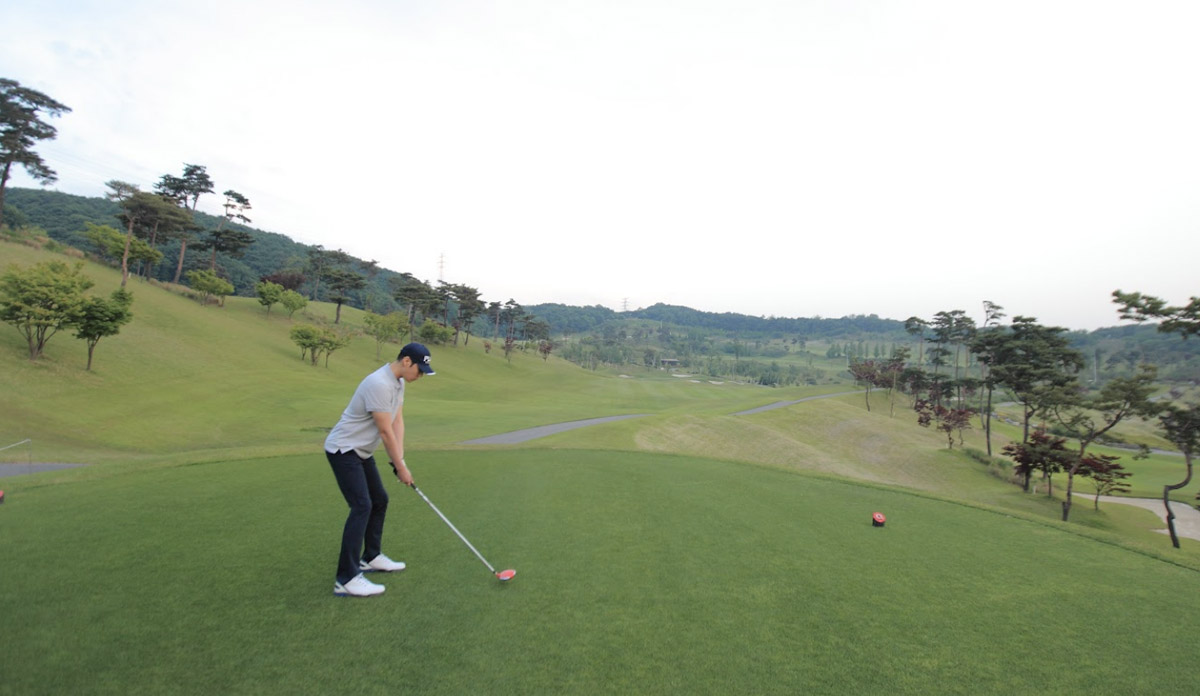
<point>637,573</point>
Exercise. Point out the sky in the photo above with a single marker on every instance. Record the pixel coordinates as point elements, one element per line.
<point>796,158</point>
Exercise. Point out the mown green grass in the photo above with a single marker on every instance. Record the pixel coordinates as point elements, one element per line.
<point>637,573</point>
<point>689,551</point>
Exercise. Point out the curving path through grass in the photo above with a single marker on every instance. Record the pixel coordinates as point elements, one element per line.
<point>518,436</point>
<point>1187,518</point>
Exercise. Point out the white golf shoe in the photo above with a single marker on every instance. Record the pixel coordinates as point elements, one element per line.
<point>358,586</point>
<point>381,563</point>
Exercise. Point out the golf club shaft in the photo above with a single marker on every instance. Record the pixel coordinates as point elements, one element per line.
<point>452,527</point>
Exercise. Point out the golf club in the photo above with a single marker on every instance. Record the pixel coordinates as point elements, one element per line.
<point>503,575</point>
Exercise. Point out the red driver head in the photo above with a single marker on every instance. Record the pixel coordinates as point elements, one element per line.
<point>506,575</point>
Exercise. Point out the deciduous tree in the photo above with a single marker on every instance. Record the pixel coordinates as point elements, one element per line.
<point>292,301</point>
<point>209,284</point>
<point>332,340</point>
<point>100,317</point>
<point>1106,474</point>
<point>316,341</point>
<point>41,300</point>
<point>308,337</point>
<point>931,411</point>
<point>1039,452</point>
<point>110,243</point>
<point>268,294</point>
<point>384,328</point>
<point>434,333</point>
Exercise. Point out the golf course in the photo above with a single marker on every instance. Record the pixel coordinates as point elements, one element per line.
<point>705,546</point>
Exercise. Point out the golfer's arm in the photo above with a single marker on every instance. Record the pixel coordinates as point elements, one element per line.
<point>391,434</point>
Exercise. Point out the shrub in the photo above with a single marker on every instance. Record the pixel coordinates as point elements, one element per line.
<point>434,333</point>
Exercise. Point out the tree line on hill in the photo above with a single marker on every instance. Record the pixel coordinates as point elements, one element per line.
<point>335,276</point>
<point>1039,368</point>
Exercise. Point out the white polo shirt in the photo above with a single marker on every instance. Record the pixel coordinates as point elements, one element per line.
<point>382,392</point>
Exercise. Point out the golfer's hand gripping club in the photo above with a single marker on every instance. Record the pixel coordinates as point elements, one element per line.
<point>400,477</point>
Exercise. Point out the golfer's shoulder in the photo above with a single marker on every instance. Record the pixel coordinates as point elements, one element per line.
<point>381,381</point>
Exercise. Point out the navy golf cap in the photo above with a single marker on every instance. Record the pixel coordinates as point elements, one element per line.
<point>419,354</point>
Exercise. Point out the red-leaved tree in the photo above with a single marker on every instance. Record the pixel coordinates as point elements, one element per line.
<point>1042,452</point>
<point>1106,474</point>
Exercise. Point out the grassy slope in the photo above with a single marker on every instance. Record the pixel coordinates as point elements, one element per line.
<point>188,381</point>
<point>673,553</point>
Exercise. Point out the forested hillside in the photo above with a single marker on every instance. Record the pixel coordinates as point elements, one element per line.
<point>772,350</point>
<point>64,217</point>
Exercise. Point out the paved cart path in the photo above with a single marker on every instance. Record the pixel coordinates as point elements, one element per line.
<point>20,468</point>
<point>519,436</point>
<point>783,404</point>
<point>1187,518</point>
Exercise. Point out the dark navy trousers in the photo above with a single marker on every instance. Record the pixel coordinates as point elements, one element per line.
<point>368,500</point>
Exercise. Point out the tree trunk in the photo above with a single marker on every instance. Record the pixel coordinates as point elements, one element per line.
<point>153,241</point>
<point>3,186</point>
<point>1066,506</point>
<point>1187,456</point>
<point>987,422</point>
<point>212,264</point>
<point>182,250</point>
<point>125,255</point>
<point>91,350</point>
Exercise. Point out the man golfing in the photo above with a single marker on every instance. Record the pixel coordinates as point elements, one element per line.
<point>374,415</point>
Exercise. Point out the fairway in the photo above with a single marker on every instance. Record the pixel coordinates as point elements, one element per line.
<point>637,573</point>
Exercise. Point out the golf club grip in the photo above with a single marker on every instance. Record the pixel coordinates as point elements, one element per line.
<point>397,473</point>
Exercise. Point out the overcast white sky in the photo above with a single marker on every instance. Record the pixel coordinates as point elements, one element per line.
<point>793,158</point>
